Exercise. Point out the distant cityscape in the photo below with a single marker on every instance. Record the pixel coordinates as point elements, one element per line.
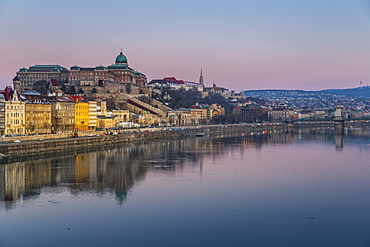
<point>358,98</point>
<point>54,99</point>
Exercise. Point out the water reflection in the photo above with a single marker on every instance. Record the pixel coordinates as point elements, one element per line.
<point>117,170</point>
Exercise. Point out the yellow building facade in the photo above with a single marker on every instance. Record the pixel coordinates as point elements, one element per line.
<point>38,115</point>
<point>121,115</point>
<point>14,115</point>
<point>93,120</point>
<point>62,113</point>
<point>81,113</point>
<point>105,122</point>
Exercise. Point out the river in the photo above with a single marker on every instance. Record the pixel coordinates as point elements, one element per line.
<point>303,188</point>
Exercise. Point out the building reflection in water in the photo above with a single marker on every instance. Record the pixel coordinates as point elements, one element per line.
<point>117,170</point>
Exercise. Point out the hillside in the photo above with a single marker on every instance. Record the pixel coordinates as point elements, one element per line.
<point>360,92</point>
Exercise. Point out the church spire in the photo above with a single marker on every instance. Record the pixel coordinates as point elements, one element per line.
<point>201,80</point>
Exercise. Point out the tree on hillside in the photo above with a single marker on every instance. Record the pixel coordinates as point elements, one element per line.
<point>185,98</point>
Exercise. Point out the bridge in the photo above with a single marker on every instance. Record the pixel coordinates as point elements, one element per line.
<point>338,114</point>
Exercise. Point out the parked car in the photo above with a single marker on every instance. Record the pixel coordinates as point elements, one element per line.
<point>41,139</point>
<point>16,141</point>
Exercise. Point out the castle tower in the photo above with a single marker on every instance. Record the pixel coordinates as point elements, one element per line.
<point>121,59</point>
<point>16,83</point>
<point>201,80</point>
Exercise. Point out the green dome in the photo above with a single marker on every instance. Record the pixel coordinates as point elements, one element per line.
<point>101,67</point>
<point>121,58</point>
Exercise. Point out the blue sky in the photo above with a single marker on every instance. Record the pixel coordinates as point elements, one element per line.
<point>238,44</point>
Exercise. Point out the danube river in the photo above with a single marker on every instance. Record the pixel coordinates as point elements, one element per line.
<point>303,188</point>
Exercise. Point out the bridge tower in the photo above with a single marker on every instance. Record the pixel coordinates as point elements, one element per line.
<point>339,119</point>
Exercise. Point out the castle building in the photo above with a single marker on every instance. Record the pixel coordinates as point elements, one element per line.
<point>43,78</point>
<point>125,75</point>
<point>97,76</point>
<point>39,76</point>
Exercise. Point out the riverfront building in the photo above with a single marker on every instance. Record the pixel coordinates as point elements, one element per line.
<point>93,120</point>
<point>2,114</point>
<point>63,113</point>
<point>38,114</point>
<point>106,122</point>
<point>181,117</point>
<point>14,113</point>
<point>81,113</point>
<point>122,116</point>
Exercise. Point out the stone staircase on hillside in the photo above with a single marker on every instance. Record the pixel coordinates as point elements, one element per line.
<point>161,105</point>
<point>137,106</point>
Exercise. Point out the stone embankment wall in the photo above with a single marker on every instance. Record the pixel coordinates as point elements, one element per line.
<point>30,146</point>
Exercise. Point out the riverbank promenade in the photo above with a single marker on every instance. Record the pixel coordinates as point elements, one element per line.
<point>36,145</point>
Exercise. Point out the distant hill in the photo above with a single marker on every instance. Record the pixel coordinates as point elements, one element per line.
<point>360,92</point>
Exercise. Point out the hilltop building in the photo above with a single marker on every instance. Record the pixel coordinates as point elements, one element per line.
<point>175,84</point>
<point>224,92</point>
<point>39,77</point>
<point>117,77</point>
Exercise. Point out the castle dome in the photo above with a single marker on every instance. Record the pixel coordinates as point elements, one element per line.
<point>121,59</point>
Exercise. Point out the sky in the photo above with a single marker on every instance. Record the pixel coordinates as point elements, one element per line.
<point>239,44</point>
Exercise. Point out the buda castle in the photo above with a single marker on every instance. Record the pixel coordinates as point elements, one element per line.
<point>117,77</point>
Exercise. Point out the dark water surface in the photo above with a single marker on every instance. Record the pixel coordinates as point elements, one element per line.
<point>263,190</point>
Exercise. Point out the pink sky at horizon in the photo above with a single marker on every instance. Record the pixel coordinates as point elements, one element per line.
<point>240,45</point>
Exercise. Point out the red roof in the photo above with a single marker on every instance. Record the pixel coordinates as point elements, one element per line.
<point>170,79</point>
<point>54,82</point>
<point>5,96</point>
<point>79,98</point>
<point>8,90</point>
<point>64,98</point>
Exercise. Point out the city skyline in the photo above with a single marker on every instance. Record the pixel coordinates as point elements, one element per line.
<point>238,45</point>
